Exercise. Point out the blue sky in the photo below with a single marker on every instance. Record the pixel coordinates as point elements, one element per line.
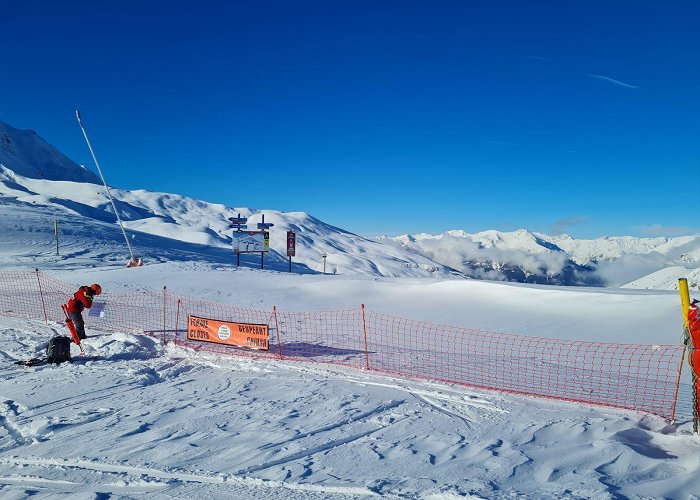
<point>381,117</point>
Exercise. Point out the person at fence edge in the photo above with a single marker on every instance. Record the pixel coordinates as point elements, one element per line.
<point>694,324</point>
<point>694,331</point>
<point>82,299</point>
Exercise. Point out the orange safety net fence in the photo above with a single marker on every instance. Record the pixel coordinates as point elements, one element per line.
<point>630,376</point>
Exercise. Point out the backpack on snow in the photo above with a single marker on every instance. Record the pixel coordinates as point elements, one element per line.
<point>58,350</point>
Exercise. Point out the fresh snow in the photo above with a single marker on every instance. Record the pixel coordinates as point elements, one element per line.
<point>165,421</point>
<point>144,419</point>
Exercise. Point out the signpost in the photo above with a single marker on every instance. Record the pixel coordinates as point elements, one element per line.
<point>264,226</point>
<point>237,223</point>
<point>291,246</point>
<point>55,233</point>
<point>249,241</point>
<point>245,241</point>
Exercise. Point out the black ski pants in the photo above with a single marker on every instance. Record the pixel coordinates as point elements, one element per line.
<point>79,324</point>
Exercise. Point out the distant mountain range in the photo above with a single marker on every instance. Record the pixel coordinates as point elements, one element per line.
<point>38,184</point>
<point>528,257</point>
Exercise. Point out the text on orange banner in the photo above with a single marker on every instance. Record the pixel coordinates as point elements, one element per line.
<point>228,333</point>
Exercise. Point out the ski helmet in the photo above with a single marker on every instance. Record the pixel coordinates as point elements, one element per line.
<point>97,288</point>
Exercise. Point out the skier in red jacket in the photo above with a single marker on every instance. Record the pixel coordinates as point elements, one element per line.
<point>82,299</point>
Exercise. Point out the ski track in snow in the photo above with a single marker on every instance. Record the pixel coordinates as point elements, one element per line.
<point>167,422</point>
<point>124,479</point>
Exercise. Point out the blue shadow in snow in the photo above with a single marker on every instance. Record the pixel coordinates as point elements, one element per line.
<point>307,350</point>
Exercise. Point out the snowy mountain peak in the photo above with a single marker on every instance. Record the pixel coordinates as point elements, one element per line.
<point>532,257</point>
<point>25,153</point>
<point>39,185</point>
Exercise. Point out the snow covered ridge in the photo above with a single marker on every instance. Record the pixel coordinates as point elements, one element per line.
<point>41,184</point>
<point>526,256</point>
<point>161,222</point>
<point>28,155</point>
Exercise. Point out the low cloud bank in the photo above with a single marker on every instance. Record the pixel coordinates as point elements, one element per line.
<point>547,266</point>
<point>629,267</point>
<point>461,254</point>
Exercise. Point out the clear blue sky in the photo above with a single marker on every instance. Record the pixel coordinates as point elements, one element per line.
<point>381,117</point>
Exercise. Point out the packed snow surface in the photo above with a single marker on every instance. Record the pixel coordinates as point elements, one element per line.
<point>164,421</point>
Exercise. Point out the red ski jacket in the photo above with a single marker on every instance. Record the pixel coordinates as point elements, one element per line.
<point>81,299</point>
<point>694,325</point>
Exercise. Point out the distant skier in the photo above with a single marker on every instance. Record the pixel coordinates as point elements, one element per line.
<point>82,299</point>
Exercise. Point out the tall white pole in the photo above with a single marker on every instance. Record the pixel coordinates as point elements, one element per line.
<point>109,194</point>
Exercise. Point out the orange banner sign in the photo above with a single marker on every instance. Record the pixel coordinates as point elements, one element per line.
<point>228,333</point>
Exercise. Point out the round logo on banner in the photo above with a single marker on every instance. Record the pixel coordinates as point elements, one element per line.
<point>224,332</point>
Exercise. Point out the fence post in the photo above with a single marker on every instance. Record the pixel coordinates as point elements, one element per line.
<point>41,293</point>
<point>364,326</point>
<point>277,329</point>
<point>177,319</point>
<point>678,384</point>
<point>165,301</point>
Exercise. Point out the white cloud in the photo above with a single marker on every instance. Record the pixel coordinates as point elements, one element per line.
<point>612,80</point>
<point>629,267</point>
<point>455,251</point>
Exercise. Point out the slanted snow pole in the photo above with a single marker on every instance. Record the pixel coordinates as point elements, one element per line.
<point>133,262</point>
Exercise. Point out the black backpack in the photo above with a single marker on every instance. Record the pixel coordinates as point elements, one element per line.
<point>58,350</point>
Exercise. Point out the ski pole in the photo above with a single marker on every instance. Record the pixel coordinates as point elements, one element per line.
<point>71,328</point>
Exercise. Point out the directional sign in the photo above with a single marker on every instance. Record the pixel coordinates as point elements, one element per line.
<point>291,243</point>
<point>264,225</point>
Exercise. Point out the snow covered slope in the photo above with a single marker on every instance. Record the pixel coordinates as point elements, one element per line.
<point>39,185</point>
<point>667,279</point>
<point>147,420</point>
<point>44,185</point>
<point>160,223</point>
